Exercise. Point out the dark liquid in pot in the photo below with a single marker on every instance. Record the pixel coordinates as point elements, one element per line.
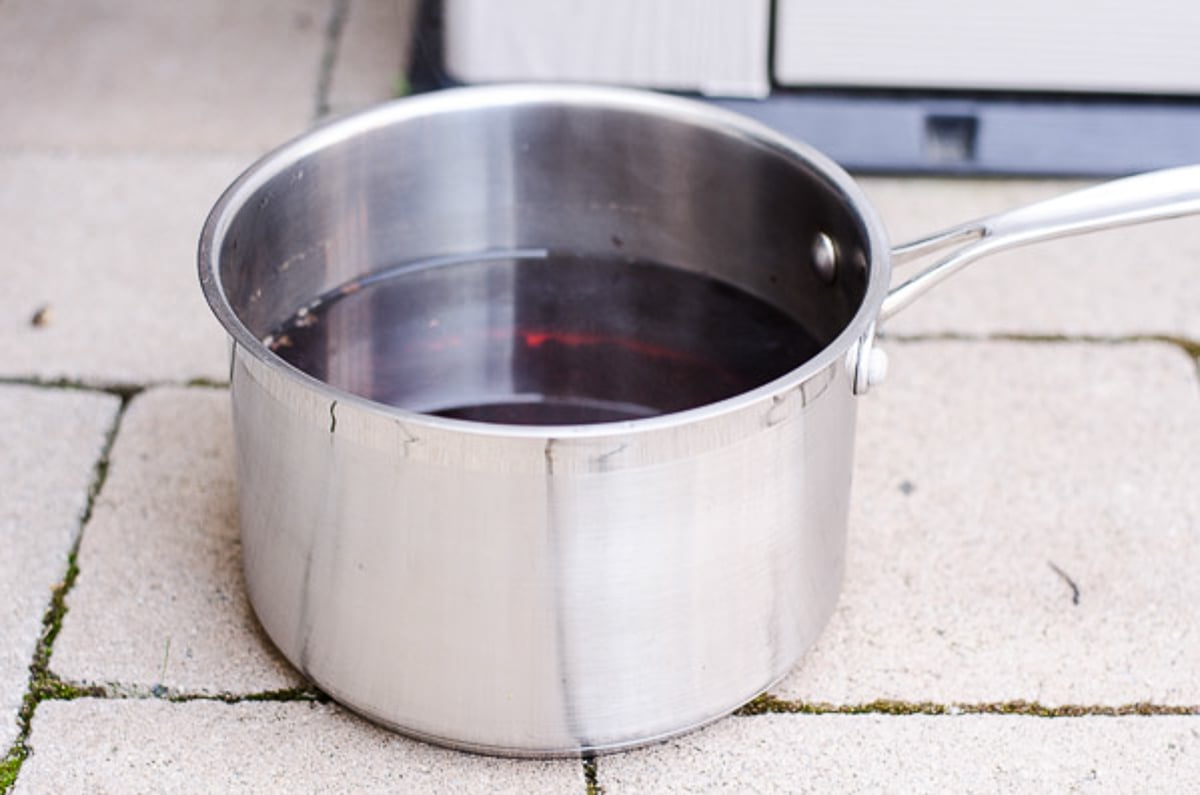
<point>532,338</point>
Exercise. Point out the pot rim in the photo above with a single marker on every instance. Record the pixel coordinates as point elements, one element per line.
<point>690,111</point>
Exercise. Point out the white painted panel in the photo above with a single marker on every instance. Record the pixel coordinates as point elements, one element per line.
<point>716,47</point>
<point>1148,46</point>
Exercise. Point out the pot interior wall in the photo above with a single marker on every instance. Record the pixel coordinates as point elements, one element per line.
<point>469,243</point>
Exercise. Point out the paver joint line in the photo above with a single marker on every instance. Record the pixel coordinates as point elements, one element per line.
<point>1189,346</point>
<point>120,390</point>
<point>43,684</point>
<point>338,12</point>
<point>767,704</point>
<point>123,390</point>
<point>116,691</point>
<point>591,776</point>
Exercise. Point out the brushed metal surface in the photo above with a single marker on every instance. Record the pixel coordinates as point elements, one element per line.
<point>541,594</point>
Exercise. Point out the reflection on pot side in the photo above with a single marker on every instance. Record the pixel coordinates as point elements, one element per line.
<point>542,338</point>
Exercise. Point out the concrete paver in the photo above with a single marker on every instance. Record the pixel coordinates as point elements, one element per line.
<point>1024,519</point>
<point>372,54</point>
<point>108,247</point>
<point>90,745</point>
<point>1136,280</point>
<point>876,753</point>
<point>987,475</point>
<point>145,76</point>
<point>159,599</point>
<point>52,442</point>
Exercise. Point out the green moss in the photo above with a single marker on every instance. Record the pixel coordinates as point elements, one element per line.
<point>302,693</point>
<point>43,684</point>
<point>51,688</point>
<point>206,383</point>
<point>767,704</point>
<point>1188,346</point>
<point>11,766</point>
<point>121,389</point>
<point>53,618</point>
<point>590,777</point>
<point>305,693</point>
<point>770,705</point>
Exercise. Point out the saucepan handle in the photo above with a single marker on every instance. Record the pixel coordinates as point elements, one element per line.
<point>1152,196</point>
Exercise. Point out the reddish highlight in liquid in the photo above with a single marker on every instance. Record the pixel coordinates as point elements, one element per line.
<point>572,339</point>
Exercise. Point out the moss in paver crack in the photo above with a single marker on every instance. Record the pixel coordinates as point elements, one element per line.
<point>771,705</point>
<point>206,383</point>
<point>1188,346</point>
<point>305,693</point>
<point>51,688</point>
<point>302,693</point>
<point>48,687</point>
<point>43,684</point>
<point>10,766</point>
<point>767,704</point>
<point>120,389</point>
<point>590,777</point>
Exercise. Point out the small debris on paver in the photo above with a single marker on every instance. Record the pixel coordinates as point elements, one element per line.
<point>41,316</point>
<point>1067,579</point>
<point>114,291</point>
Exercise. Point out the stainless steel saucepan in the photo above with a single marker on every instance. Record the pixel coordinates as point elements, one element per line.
<point>544,402</point>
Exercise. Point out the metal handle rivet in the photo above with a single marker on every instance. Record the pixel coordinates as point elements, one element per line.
<point>824,257</point>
